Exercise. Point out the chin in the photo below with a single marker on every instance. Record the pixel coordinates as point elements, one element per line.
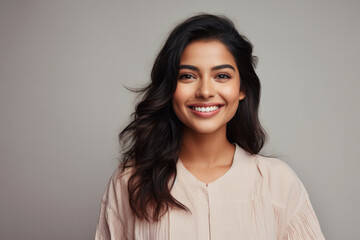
<point>205,129</point>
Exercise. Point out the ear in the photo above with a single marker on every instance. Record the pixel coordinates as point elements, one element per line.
<point>241,96</point>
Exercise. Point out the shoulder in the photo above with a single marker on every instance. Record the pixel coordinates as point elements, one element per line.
<point>117,185</point>
<point>120,176</point>
<point>275,168</point>
<point>284,185</point>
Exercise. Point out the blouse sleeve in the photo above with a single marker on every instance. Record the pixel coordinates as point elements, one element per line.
<point>293,210</point>
<point>303,224</point>
<point>109,226</point>
<point>115,219</point>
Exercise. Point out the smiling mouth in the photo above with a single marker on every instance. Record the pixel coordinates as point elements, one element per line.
<point>205,109</point>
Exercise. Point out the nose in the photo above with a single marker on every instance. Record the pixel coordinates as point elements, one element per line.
<point>205,88</point>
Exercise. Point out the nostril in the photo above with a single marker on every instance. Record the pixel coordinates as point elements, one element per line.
<point>205,93</point>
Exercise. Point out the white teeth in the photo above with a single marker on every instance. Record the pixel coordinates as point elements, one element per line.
<point>205,109</point>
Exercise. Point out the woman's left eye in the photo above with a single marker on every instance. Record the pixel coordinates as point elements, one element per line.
<point>223,76</point>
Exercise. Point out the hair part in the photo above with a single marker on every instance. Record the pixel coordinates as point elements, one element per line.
<point>151,142</point>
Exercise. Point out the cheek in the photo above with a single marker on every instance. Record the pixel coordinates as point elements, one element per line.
<point>231,93</point>
<point>182,94</point>
<point>177,97</point>
<point>179,100</point>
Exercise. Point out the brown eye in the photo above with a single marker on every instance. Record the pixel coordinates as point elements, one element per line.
<point>223,76</point>
<point>186,76</point>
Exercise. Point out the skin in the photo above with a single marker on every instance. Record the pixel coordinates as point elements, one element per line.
<point>208,74</point>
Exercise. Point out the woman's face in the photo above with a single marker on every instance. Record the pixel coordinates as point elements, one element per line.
<point>208,87</point>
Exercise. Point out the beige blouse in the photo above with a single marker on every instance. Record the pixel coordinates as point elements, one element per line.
<point>257,198</point>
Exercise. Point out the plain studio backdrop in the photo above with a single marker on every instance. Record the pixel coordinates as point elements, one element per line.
<point>63,68</point>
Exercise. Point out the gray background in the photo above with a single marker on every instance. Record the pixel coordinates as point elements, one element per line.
<point>63,65</point>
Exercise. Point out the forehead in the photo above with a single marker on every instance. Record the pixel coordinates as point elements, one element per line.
<point>207,53</point>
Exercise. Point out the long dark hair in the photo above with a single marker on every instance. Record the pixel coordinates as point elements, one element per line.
<point>151,142</point>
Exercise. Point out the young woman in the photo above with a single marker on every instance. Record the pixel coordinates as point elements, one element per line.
<point>191,168</point>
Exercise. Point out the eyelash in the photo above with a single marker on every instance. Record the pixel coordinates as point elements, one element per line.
<point>189,76</point>
<point>224,76</point>
<point>186,76</point>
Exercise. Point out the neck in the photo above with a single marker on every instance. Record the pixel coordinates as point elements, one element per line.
<point>208,149</point>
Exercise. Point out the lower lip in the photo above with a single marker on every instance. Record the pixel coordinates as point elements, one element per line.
<point>205,114</point>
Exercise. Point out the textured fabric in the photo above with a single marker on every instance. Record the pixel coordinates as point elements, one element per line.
<point>257,198</point>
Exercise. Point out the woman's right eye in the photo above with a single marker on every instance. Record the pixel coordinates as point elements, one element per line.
<point>186,76</point>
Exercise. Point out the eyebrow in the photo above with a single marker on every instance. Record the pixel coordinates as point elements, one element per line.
<point>191,67</point>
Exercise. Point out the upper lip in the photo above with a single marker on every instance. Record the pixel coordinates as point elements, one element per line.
<point>205,104</point>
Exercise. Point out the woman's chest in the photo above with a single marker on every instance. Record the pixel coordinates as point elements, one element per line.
<point>214,214</point>
<point>221,212</point>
